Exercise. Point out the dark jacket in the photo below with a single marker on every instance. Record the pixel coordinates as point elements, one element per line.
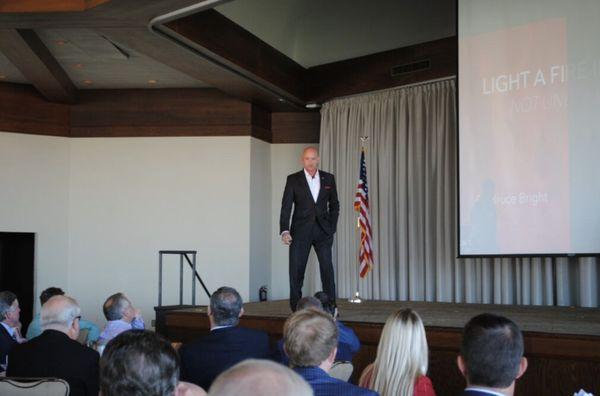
<point>325,385</point>
<point>325,211</point>
<point>54,354</point>
<point>6,344</point>
<point>207,357</point>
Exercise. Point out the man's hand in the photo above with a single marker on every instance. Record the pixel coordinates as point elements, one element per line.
<point>19,337</point>
<point>286,238</point>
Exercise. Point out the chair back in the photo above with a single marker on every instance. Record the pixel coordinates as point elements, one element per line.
<point>12,386</point>
<point>341,370</point>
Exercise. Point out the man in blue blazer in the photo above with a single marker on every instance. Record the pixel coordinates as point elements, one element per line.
<point>227,344</point>
<point>313,195</point>
<point>491,356</point>
<point>310,341</point>
<point>348,342</point>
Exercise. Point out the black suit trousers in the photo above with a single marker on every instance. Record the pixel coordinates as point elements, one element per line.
<point>311,235</point>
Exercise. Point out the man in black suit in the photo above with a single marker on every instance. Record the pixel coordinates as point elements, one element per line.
<point>226,345</point>
<point>491,356</point>
<point>313,194</point>
<point>56,353</point>
<point>9,325</point>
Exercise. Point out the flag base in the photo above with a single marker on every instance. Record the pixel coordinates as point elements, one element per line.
<point>356,299</point>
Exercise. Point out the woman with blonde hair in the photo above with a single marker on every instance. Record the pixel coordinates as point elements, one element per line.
<point>400,367</point>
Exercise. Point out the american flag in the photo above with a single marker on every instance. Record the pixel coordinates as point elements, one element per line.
<point>361,205</point>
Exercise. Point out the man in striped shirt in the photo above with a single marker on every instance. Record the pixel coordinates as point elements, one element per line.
<point>121,316</point>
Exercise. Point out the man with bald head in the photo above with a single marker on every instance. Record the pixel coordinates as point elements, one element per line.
<point>255,377</point>
<point>56,353</point>
<point>313,195</point>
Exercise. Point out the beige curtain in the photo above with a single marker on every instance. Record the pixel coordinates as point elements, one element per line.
<point>411,165</point>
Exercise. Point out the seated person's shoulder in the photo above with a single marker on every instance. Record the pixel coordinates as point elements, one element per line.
<point>82,351</point>
<point>255,333</point>
<point>17,349</point>
<point>189,389</point>
<point>423,386</point>
<point>355,390</point>
<point>90,353</point>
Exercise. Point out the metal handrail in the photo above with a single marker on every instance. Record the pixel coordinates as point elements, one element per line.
<point>183,254</point>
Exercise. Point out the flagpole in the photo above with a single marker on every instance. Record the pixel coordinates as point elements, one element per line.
<point>356,299</point>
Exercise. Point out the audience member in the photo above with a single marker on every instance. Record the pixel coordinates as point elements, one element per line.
<point>10,334</point>
<point>121,316</point>
<point>491,356</point>
<point>309,302</point>
<point>310,340</point>
<point>348,342</point>
<point>254,377</point>
<point>140,362</point>
<point>226,344</point>
<point>400,367</point>
<point>56,353</point>
<point>35,329</point>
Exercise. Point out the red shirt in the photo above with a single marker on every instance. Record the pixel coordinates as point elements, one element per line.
<point>423,385</point>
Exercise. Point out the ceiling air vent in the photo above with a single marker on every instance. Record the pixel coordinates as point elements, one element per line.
<point>412,67</point>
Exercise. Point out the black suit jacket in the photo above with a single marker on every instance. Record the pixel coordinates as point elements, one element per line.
<point>325,211</point>
<point>54,354</point>
<point>204,359</point>
<point>6,344</point>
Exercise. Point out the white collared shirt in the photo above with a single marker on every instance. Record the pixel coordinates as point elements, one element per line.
<point>483,390</point>
<point>220,327</point>
<point>314,183</point>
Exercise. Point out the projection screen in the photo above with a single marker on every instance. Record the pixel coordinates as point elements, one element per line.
<point>529,127</point>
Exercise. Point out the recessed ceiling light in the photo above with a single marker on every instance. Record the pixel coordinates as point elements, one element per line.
<point>60,42</point>
<point>312,105</point>
<point>152,82</point>
<point>87,82</point>
<point>281,100</point>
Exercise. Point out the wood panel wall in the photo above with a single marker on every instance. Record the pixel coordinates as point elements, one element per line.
<point>373,72</point>
<point>208,111</point>
<point>151,112</point>
<point>296,127</point>
<point>558,364</point>
<point>164,112</point>
<point>24,110</point>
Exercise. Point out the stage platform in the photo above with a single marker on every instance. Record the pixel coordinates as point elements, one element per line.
<point>562,344</point>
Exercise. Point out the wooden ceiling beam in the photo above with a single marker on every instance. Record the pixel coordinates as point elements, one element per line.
<point>198,66</point>
<point>28,53</point>
<point>229,43</point>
